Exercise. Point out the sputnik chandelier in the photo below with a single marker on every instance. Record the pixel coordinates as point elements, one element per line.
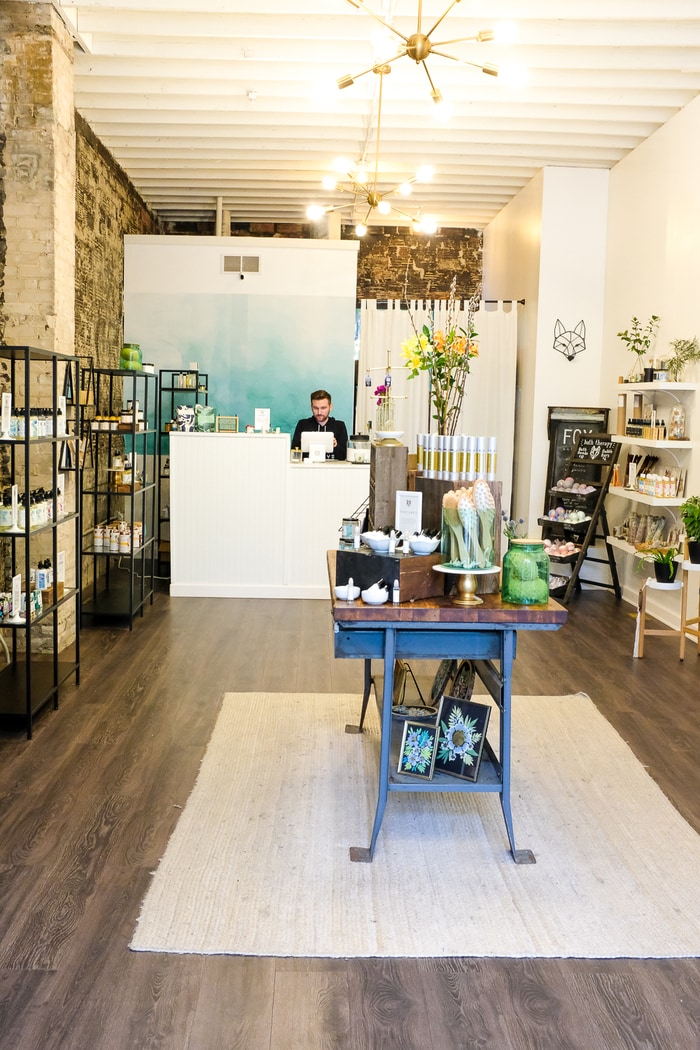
<point>418,46</point>
<point>364,186</point>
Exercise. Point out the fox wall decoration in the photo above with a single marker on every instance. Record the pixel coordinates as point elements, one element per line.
<point>569,343</point>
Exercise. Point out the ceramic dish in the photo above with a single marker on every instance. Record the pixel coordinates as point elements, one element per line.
<point>378,541</point>
<point>389,435</point>
<point>375,595</point>
<point>414,712</point>
<point>424,544</point>
<point>345,593</point>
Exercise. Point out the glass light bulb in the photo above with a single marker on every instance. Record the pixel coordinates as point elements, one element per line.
<point>360,174</point>
<point>329,183</point>
<point>360,229</point>
<point>442,112</point>
<point>405,189</point>
<point>341,165</point>
<point>315,212</point>
<point>425,173</point>
<point>505,32</point>
<point>429,224</point>
<point>513,74</point>
<point>384,207</point>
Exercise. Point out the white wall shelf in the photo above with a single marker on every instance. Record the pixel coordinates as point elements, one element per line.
<point>663,388</point>
<point>673,446</point>
<point>643,497</point>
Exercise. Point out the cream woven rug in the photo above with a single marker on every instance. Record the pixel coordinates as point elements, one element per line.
<point>259,864</point>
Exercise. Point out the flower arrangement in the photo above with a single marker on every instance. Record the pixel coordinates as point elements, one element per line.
<point>512,529</point>
<point>445,354</point>
<point>380,394</point>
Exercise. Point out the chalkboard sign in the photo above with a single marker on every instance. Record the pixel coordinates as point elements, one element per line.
<point>565,426</point>
<point>600,451</point>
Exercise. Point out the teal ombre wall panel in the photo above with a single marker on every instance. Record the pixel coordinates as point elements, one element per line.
<point>266,341</point>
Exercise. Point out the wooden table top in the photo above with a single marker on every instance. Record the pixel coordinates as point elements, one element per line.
<point>492,611</point>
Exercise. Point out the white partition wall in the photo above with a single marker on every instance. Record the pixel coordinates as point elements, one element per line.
<point>268,319</point>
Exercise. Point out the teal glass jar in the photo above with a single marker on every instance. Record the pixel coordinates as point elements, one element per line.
<point>525,575</point>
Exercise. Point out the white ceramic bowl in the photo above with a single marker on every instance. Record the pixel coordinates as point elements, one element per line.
<point>389,435</point>
<point>424,544</point>
<point>345,593</point>
<point>378,541</point>
<point>375,595</point>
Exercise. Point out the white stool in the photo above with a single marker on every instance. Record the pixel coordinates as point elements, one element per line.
<point>691,580</point>
<point>642,629</point>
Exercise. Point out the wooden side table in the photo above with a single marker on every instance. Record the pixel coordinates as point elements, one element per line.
<point>434,629</point>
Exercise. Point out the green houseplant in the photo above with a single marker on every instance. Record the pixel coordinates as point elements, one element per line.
<point>690,516</point>
<point>638,338</point>
<point>685,352</point>
<point>664,559</point>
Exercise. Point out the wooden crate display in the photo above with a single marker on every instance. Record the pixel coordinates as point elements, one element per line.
<point>415,573</point>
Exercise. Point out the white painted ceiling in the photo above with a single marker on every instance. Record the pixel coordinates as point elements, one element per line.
<point>235,101</point>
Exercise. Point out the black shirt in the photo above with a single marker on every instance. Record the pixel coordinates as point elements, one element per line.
<point>335,426</point>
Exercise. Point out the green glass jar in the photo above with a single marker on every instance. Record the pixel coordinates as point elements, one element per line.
<point>525,575</point>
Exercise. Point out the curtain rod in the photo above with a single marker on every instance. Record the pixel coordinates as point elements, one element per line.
<point>383,304</point>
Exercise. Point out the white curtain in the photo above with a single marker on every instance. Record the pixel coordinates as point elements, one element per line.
<point>488,408</point>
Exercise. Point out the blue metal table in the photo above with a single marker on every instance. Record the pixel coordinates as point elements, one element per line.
<point>436,629</point>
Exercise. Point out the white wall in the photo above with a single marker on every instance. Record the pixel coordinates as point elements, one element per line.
<point>602,246</point>
<point>548,247</point>
<point>654,268</point>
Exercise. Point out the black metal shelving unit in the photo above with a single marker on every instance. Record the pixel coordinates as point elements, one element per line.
<point>36,668</point>
<point>175,387</point>
<point>122,578</point>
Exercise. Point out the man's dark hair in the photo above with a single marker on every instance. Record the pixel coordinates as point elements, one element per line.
<point>321,395</point>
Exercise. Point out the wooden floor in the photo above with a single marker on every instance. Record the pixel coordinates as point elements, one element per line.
<point>88,805</point>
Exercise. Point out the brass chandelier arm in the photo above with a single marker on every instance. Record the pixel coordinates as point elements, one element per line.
<point>442,17</point>
<point>361,6</point>
<point>347,80</point>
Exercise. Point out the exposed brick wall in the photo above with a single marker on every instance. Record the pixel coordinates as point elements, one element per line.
<point>393,261</point>
<point>107,206</point>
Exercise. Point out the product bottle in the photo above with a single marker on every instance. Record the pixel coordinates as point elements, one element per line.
<point>676,426</point>
<point>395,597</point>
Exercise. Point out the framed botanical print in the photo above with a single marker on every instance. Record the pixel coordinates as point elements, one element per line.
<point>461,728</point>
<point>417,752</point>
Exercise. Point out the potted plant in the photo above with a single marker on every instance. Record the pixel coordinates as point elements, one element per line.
<point>690,516</point>
<point>664,559</point>
<point>685,352</point>
<point>638,338</point>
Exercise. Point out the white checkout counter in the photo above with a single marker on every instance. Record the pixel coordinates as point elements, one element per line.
<point>247,523</point>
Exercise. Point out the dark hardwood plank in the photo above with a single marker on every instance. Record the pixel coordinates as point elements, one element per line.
<point>87,808</point>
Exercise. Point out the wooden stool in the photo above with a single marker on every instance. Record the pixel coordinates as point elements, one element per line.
<point>691,579</point>
<point>642,629</point>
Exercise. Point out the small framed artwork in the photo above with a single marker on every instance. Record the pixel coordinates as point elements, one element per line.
<point>461,728</point>
<point>417,753</point>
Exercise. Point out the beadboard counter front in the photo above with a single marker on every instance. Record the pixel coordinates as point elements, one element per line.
<point>246,523</point>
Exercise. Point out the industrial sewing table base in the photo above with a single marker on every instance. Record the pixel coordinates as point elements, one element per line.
<point>436,629</point>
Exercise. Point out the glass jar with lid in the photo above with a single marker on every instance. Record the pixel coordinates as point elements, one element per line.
<point>525,575</point>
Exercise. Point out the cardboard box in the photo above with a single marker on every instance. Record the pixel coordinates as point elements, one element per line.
<point>47,596</point>
<point>413,571</point>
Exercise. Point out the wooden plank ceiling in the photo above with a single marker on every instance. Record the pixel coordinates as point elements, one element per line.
<point>236,103</point>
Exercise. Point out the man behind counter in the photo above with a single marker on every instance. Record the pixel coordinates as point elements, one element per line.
<point>322,420</point>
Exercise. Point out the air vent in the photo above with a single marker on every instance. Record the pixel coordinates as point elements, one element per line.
<point>241,264</point>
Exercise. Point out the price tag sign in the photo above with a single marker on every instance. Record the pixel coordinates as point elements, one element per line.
<point>409,512</point>
<point>262,419</point>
